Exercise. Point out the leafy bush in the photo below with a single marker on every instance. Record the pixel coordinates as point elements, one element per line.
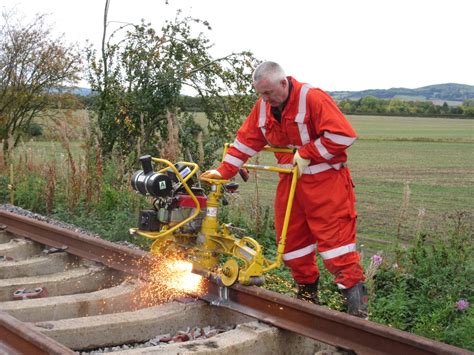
<point>419,292</point>
<point>4,193</point>
<point>35,130</point>
<point>29,193</point>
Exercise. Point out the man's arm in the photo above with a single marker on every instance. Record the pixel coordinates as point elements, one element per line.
<point>335,133</point>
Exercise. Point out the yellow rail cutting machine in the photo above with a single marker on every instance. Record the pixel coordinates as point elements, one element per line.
<point>184,220</point>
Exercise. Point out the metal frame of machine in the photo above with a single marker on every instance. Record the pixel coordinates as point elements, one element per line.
<point>203,248</point>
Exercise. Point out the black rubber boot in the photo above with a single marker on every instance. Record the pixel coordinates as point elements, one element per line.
<point>356,300</point>
<point>308,292</point>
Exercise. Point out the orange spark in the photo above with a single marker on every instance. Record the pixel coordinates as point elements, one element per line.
<point>167,279</point>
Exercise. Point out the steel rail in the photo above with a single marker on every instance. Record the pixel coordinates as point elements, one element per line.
<point>320,323</point>
<point>323,324</point>
<point>91,248</point>
<point>19,338</point>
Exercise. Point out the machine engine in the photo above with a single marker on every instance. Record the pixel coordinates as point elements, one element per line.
<point>171,204</point>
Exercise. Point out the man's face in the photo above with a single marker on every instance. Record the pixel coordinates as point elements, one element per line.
<point>275,93</point>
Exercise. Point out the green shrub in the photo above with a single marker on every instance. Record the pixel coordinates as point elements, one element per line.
<point>4,193</point>
<point>29,193</point>
<point>419,292</point>
<point>35,130</point>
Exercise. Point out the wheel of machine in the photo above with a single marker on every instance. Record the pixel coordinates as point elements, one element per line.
<point>230,272</point>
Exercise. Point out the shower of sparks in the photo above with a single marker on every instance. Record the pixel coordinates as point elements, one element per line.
<point>165,279</point>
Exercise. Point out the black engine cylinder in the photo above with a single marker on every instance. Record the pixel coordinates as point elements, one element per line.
<point>154,184</point>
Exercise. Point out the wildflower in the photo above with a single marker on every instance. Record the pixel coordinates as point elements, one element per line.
<point>461,305</point>
<point>376,259</point>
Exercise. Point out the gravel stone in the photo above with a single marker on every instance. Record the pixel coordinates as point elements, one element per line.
<point>55,222</point>
<point>188,334</point>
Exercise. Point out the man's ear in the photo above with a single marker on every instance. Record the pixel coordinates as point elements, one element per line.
<point>284,83</point>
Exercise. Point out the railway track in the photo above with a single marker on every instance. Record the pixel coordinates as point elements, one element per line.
<point>63,292</point>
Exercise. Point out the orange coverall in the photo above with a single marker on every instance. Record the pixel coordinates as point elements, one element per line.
<point>323,213</point>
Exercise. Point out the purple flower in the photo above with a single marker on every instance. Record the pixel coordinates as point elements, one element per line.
<point>461,305</point>
<point>376,259</point>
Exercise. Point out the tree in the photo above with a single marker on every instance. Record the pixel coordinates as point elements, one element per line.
<point>32,63</point>
<point>468,107</point>
<point>138,81</point>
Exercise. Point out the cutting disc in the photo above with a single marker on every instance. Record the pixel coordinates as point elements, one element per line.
<point>230,272</point>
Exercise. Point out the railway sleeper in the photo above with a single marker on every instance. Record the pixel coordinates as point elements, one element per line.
<point>120,298</point>
<point>246,335</point>
<point>19,249</point>
<point>84,278</point>
<point>5,236</point>
<point>38,265</point>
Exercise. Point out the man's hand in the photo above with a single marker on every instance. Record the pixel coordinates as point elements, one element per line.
<point>211,174</point>
<point>301,163</point>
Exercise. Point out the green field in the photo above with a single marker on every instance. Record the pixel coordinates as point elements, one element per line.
<point>413,128</point>
<point>434,156</point>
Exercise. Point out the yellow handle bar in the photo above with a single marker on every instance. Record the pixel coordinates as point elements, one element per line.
<point>294,171</point>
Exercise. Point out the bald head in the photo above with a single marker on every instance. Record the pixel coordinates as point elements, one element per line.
<point>271,83</point>
<point>269,71</point>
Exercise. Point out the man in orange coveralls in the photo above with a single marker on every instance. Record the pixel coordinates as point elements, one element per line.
<point>292,114</point>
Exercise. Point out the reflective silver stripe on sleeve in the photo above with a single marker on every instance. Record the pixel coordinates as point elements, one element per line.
<point>233,160</point>
<point>337,138</point>
<point>322,149</point>
<point>244,149</point>
<point>286,166</point>
<point>299,119</point>
<point>262,117</point>
<point>298,253</point>
<point>333,253</point>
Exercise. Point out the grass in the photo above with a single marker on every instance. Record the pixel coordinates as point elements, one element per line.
<point>438,167</point>
<point>43,151</point>
<point>75,121</point>
<point>413,128</point>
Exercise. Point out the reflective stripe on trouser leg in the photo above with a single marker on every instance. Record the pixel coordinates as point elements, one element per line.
<point>298,253</point>
<point>299,248</point>
<point>330,193</point>
<point>344,262</point>
<point>334,253</point>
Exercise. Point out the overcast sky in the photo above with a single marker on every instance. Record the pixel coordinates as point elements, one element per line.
<point>334,45</point>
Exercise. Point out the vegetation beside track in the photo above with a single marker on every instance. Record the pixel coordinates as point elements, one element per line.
<point>413,182</point>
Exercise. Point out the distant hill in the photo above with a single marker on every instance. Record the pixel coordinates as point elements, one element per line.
<point>82,91</point>
<point>71,90</point>
<point>79,91</point>
<point>451,93</point>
